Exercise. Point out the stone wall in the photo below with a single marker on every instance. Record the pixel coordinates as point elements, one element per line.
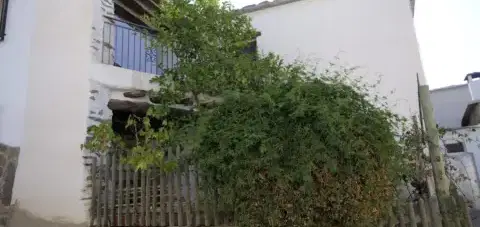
<point>101,49</point>
<point>102,10</point>
<point>99,94</point>
<point>8,166</point>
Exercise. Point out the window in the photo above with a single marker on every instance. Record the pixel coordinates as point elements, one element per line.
<point>251,49</point>
<point>3,18</point>
<point>454,147</point>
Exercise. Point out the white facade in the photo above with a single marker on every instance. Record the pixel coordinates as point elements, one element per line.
<point>14,60</point>
<point>50,67</point>
<point>473,86</point>
<point>449,104</point>
<point>50,170</point>
<point>54,82</point>
<point>376,35</point>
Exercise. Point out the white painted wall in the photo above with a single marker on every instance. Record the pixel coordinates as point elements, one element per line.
<point>14,56</point>
<point>50,173</point>
<point>68,90</point>
<point>449,105</point>
<point>465,167</point>
<point>110,82</point>
<point>119,78</point>
<point>475,86</point>
<point>376,35</point>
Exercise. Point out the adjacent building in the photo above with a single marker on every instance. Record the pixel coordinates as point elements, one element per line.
<point>456,110</point>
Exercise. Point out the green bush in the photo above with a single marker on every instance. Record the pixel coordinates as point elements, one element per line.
<point>303,153</point>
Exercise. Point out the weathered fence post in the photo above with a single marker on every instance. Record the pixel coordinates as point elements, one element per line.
<point>401,214</point>
<point>442,184</point>
<point>392,221</point>
<point>93,173</point>
<point>411,215</point>
<point>170,191</point>
<point>135,198</point>
<point>188,189</point>
<point>121,208</point>
<point>162,199</point>
<point>381,223</point>
<point>154,195</point>
<point>435,216</point>
<point>113,174</point>
<point>178,187</point>
<point>423,212</point>
<point>98,189</point>
<point>197,199</point>
<point>105,190</point>
<point>467,220</point>
<point>128,190</point>
<point>148,196</point>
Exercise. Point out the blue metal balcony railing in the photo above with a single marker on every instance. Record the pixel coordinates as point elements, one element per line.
<point>129,46</point>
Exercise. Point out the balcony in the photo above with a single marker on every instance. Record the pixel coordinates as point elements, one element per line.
<point>130,46</point>
<point>128,61</point>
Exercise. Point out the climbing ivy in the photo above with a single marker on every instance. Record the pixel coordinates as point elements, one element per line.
<point>308,151</point>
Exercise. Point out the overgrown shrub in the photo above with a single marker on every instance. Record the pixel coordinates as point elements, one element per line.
<point>311,152</point>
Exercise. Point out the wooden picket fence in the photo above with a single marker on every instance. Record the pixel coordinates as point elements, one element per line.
<point>424,212</point>
<point>121,196</point>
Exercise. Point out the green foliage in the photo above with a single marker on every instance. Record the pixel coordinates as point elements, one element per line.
<point>142,151</point>
<point>208,39</point>
<point>102,138</point>
<point>308,152</point>
<point>284,146</point>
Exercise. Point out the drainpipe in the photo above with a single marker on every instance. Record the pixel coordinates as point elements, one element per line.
<point>469,82</point>
<point>412,7</point>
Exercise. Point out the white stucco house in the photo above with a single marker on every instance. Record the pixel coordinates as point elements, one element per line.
<point>376,36</point>
<point>65,64</point>
<point>456,110</point>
